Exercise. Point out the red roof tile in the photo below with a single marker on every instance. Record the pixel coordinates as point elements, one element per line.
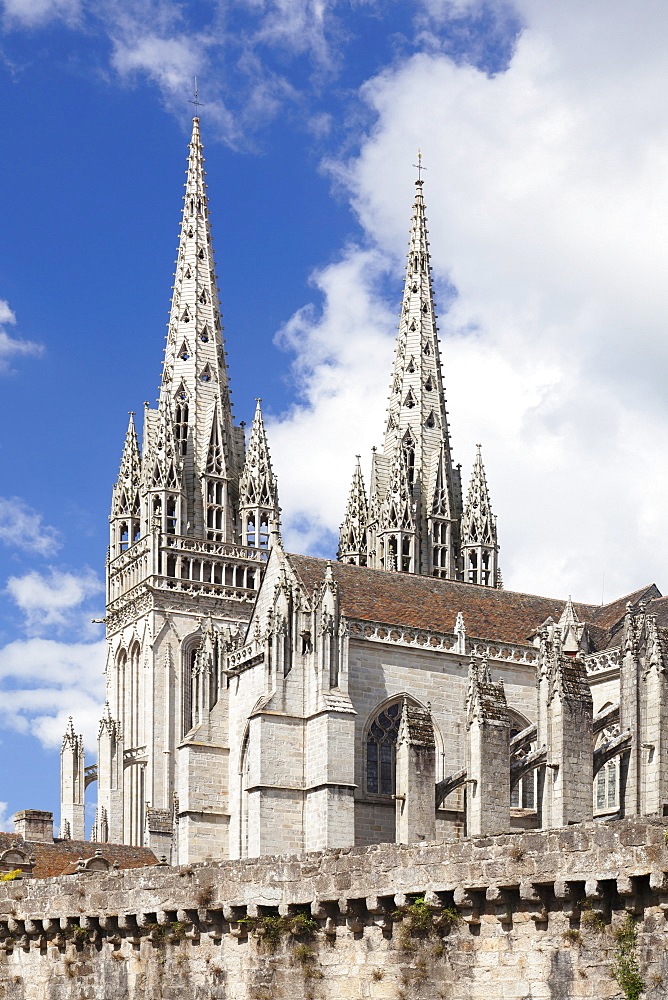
<point>61,856</point>
<point>427,603</point>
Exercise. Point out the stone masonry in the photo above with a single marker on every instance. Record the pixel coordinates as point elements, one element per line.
<point>532,915</point>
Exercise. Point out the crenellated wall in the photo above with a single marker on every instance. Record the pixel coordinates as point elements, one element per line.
<point>533,915</point>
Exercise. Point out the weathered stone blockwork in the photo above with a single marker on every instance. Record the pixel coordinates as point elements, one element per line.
<point>530,915</point>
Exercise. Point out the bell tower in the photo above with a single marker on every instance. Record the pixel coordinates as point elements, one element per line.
<point>177,558</point>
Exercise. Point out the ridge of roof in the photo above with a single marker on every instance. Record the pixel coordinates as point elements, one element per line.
<point>423,602</point>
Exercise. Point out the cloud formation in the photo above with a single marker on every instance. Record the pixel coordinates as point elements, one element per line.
<point>53,598</point>
<point>23,528</point>
<point>45,681</point>
<point>12,346</point>
<point>543,192</point>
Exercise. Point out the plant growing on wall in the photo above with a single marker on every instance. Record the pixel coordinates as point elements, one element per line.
<point>625,968</point>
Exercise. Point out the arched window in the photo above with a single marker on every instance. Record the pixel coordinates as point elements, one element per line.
<point>523,793</point>
<point>606,782</point>
<point>381,743</point>
<point>263,540</point>
<point>250,531</point>
<point>187,668</point>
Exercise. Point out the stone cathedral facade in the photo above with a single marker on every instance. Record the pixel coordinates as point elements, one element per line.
<point>263,702</point>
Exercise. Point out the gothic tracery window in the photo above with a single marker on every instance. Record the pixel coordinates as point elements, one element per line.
<point>381,742</point>
<point>607,780</point>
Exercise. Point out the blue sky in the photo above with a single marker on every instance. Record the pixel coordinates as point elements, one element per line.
<point>545,134</point>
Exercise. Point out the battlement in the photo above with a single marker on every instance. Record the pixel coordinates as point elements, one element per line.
<point>547,905</point>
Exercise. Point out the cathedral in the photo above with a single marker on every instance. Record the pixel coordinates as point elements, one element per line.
<point>263,702</point>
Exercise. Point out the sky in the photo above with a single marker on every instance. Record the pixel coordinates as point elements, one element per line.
<point>544,131</point>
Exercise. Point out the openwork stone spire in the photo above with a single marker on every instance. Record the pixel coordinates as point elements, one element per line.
<point>353,546</point>
<point>258,489</point>
<point>479,541</point>
<point>194,408</point>
<point>415,492</point>
<point>125,498</point>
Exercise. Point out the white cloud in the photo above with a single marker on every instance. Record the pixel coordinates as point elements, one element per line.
<point>5,820</point>
<point>43,682</point>
<point>53,598</point>
<point>31,13</point>
<point>10,346</point>
<point>342,367</point>
<point>22,527</point>
<point>170,62</point>
<point>544,189</point>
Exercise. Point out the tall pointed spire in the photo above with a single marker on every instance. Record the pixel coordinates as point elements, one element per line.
<point>480,547</point>
<point>125,524</point>
<point>478,531</point>
<point>258,490</point>
<point>194,405</point>
<point>416,459</point>
<point>353,547</point>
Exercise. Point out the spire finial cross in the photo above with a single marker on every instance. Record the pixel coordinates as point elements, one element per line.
<point>195,100</point>
<point>419,166</point>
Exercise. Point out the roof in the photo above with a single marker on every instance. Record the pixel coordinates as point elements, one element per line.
<point>60,857</point>
<point>426,603</point>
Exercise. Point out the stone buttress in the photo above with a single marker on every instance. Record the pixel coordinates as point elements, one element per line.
<point>487,753</point>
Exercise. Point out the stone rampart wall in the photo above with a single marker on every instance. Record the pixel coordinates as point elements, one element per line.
<point>531,916</point>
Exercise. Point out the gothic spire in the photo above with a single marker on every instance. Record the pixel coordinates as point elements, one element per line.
<point>416,431</point>
<point>480,545</point>
<point>258,490</point>
<point>194,405</point>
<point>125,493</point>
<point>352,535</point>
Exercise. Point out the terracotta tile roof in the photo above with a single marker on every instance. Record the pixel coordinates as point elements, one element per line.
<point>609,615</point>
<point>424,602</point>
<point>61,856</point>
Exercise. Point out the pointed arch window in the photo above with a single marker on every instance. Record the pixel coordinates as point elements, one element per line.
<point>415,287</point>
<point>426,350</point>
<point>523,792</point>
<point>185,315</point>
<point>381,744</point>
<point>181,423</point>
<point>250,530</point>
<point>409,401</point>
<point>411,365</point>
<point>429,384</point>
<point>431,420</point>
<point>205,375</point>
<point>408,451</point>
<point>190,233</point>
<point>203,297</point>
<point>184,353</point>
<point>187,273</point>
<point>215,510</point>
<point>204,335</point>
<point>439,551</point>
<point>171,518</point>
<point>425,308</point>
<point>200,253</point>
